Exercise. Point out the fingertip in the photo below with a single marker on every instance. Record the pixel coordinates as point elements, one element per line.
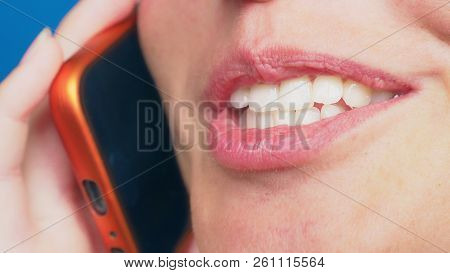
<point>44,47</point>
<point>88,18</point>
<point>68,47</point>
<point>34,48</point>
<point>29,82</point>
<point>55,55</point>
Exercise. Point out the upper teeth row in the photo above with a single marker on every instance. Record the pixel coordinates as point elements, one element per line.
<point>302,92</point>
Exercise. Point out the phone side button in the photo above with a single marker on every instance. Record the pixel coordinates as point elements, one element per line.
<point>95,196</point>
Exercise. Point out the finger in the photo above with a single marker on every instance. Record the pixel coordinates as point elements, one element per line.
<point>88,18</point>
<point>24,88</point>
<point>21,92</point>
<point>52,190</point>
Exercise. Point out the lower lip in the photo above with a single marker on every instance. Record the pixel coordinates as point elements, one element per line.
<point>282,146</point>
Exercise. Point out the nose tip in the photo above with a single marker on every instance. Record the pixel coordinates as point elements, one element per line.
<point>258,1</point>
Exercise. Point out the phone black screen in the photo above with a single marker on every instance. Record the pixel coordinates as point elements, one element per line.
<point>128,124</point>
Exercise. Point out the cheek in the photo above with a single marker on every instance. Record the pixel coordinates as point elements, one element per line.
<point>180,39</point>
<point>438,15</point>
<point>164,45</point>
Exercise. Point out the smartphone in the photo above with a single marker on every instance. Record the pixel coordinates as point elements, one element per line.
<point>108,113</point>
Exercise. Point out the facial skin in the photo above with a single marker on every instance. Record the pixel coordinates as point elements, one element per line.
<point>383,186</point>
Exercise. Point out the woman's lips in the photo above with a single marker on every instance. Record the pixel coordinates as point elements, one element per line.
<point>284,146</point>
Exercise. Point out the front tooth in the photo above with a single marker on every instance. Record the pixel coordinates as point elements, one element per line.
<point>308,116</point>
<point>262,97</point>
<point>295,94</point>
<point>327,89</point>
<point>249,119</point>
<point>284,118</point>
<point>331,110</point>
<point>380,96</point>
<point>239,99</point>
<point>259,120</point>
<point>356,95</point>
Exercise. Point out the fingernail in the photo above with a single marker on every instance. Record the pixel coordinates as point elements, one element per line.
<point>35,45</point>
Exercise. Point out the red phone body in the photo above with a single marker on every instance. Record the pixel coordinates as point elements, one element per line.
<point>74,89</point>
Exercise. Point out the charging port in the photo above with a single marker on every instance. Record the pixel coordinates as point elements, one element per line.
<point>95,196</point>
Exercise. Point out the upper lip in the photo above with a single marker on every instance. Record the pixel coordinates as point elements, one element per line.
<point>272,65</point>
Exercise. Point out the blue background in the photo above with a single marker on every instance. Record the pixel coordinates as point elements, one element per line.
<point>17,31</point>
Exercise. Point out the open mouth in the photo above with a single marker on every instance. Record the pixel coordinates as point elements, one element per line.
<point>284,107</point>
<point>301,101</point>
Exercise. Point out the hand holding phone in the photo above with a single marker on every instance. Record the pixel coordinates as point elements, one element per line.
<point>37,185</point>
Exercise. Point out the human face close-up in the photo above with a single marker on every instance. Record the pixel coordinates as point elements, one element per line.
<point>374,178</point>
